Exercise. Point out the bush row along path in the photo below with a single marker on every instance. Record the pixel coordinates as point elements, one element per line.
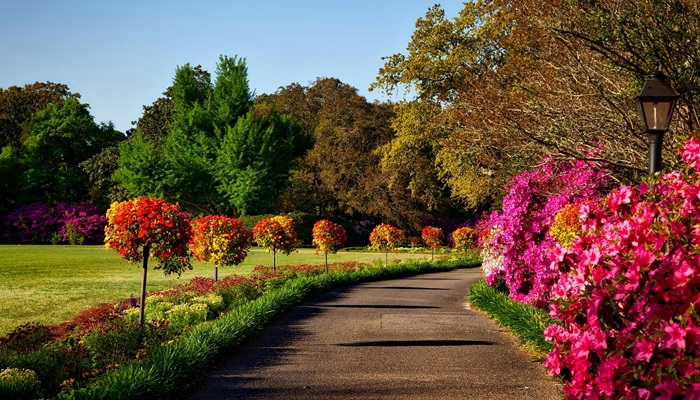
<point>410,338</point>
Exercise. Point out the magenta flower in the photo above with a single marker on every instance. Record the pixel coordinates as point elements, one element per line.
<point>674,337</point>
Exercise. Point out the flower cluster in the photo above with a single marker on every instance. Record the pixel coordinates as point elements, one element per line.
<point>628,298</point>
<point>522,237</point>
<point>432,237</point>
<point>386,237</point>
<point>566,226</point>
<point>276,234</point>
<point>328,237</point>
<point>39,223</point>
<point>152,224</point>
<point>220,239</point>
<point>464,238</point>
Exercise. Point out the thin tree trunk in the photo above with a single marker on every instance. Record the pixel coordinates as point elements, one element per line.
<point>216,273</point>
<point>326,262</point>
<point>146,253</point>
<point>274,260</point>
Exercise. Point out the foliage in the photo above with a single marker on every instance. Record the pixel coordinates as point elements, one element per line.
<point>521,229</point>
<point>386,237</point>
<point>276,234</point>
<point>432,237</point>
<point>19,384</point>
<point>206,147</point>
<point>26,338</point>
<point>328,237</point>
<point>464,238</point>
<point>60,137</point>
<point>19,104</point>
<point>39,223</point>
<point>160,226</point>
<point>220,239</point>
<point>504,81</point>
<point>526,322</point>
<point>628,296</point>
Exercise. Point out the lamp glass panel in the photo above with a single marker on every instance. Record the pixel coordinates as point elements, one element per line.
<point>656,114</point>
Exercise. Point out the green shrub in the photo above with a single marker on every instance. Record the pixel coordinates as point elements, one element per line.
<point>214,302</point>
<point>240,293</point>
<point>182,316</point>
<point>19,384</point>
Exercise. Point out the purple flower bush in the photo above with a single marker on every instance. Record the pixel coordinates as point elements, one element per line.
<point>629,292</point>
<point>518,235</point>
<point>39,223</point>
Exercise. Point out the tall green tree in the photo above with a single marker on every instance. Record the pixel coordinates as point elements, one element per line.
<point>210,125</point>
<point>255,158</point>
<point>19,104</point>
<point>61,136</point>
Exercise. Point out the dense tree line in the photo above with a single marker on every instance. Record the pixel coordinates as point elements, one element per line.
<point>488,93</point>
<point>506,81</point>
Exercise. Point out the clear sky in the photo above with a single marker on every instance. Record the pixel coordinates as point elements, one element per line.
<point>122,54</point>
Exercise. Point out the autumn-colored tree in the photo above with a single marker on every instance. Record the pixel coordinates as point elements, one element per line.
<point>386,237</point>
<point>144,226</point>
<point>432,237</point>
<point>343,174</point>
<point>464,238</point>
<point>276,234</point>
<point>221,240</point>
<point>510,80</point>
<point>328,237</point>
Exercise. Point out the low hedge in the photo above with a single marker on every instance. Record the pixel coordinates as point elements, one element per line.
<point>170,370</point>
<point>526,322</point>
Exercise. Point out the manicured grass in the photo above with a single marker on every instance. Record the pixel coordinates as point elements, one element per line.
<point>526,322</point>
<point>50,284</point>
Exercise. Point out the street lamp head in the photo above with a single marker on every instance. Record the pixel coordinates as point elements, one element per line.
<point>656,103</point>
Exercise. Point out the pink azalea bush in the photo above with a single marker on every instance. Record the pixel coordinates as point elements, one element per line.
<point>519,234</point>
<point>629,292</point>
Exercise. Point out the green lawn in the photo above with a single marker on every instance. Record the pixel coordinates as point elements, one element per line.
<point>50,284</point>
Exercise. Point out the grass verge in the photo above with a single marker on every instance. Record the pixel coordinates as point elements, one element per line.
<point>525,322</point>
<point>50,284</point>
<point>171,369</point>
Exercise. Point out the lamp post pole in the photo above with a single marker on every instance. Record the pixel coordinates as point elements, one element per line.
<point>656,103</point>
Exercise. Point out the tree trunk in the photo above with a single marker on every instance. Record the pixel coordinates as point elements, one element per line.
<point>274,260</point>
<point>326,262</point>
<point>216,273</point>
<point>146,253</point>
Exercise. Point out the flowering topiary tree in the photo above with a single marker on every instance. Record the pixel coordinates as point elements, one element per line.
<point>432,237</point>
<point>276,234</point>
<point>221,240</point>
<point>386,237</point>
<point>464,238</point>
<point>146,226</point>
<point>629,293</point>
<point>328,237</point>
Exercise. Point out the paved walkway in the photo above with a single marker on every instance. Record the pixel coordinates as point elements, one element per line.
<point>410,338</point>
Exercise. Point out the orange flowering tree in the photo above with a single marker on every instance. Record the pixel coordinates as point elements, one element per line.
<point>221,240</point>
<point>145,227</point>
<point>464,238</point>
<point>386,237</point>
<point>432,237</point>
<point>276,234</point>
<point>328,237</point>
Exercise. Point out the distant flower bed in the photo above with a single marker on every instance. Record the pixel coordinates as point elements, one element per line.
<point>38,223</point>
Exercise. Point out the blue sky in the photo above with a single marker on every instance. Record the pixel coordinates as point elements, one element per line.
<point>121,55</point>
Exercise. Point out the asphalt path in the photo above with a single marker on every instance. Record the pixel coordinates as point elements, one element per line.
<point>410,338</point>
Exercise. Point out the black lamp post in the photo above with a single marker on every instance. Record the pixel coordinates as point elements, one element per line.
<point>656,102</point>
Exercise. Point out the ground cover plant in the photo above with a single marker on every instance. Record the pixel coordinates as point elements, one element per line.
<point>104,354</point>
